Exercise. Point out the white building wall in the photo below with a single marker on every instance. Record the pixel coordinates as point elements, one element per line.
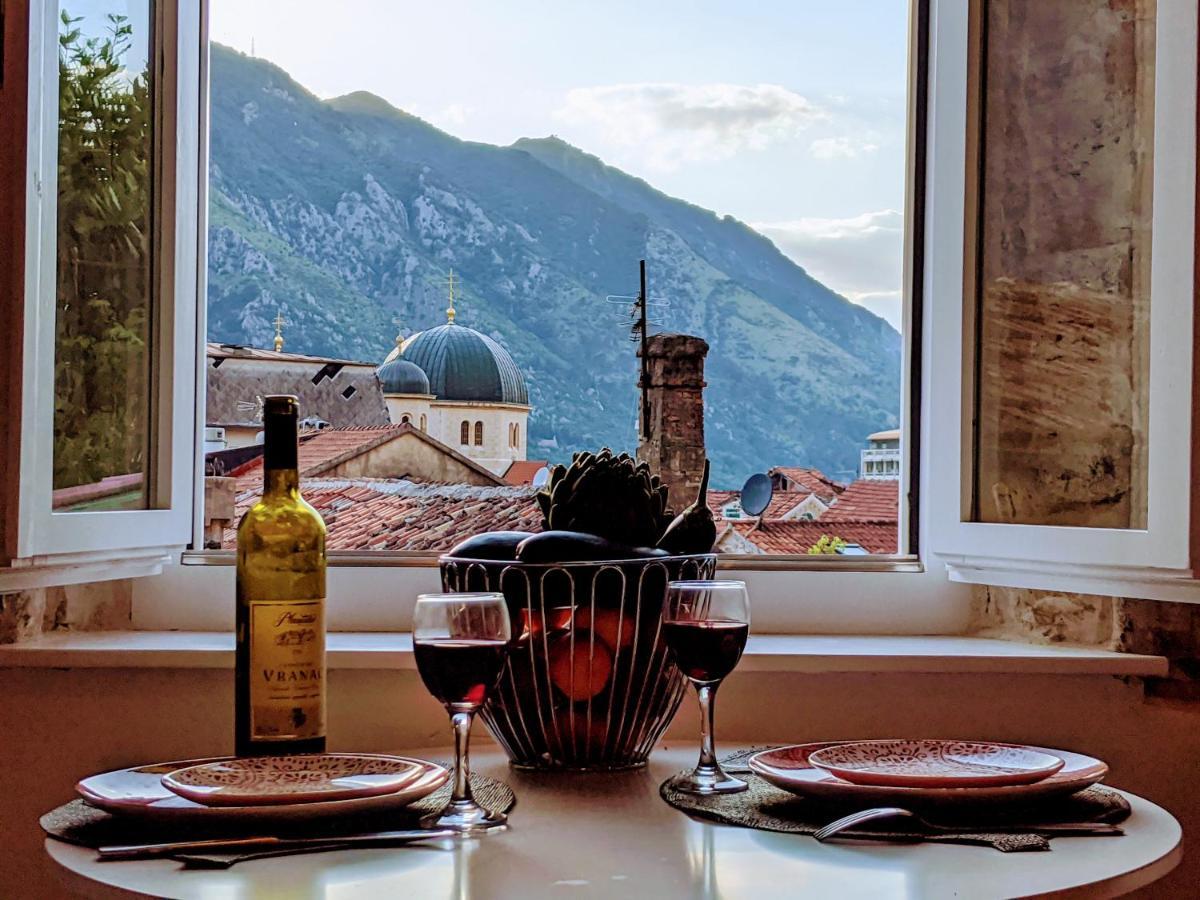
<point>412,406</point>
<point>444,423</point>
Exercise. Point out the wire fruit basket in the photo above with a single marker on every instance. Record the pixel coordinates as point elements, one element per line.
<point>588,684</point>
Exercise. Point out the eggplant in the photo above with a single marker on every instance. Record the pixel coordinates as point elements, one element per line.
<point>693,530</point>
<point>577,546</point>
<point>500,546</point>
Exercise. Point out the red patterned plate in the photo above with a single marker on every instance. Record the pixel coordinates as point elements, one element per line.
<point>788,768</point>
<point>936,764</point>
<point>138,792</point>
<point>301,778</point>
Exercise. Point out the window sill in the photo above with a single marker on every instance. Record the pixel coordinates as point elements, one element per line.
<point>811,654</point>
<point>25,574</point>
<point>725,562</point>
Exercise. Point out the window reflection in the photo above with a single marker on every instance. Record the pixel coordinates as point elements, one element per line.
<point>104,257</point>
<point>1064,263</point>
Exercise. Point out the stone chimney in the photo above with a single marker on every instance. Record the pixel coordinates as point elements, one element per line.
<point>674,445</point>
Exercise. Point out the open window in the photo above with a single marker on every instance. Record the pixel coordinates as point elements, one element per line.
<point>1077,269</point>
<point>104,346</point>
<point>778,207</point>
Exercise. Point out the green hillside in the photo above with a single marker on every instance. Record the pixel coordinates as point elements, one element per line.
<point>347,213</point>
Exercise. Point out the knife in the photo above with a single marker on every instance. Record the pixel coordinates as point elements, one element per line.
<point>270,844</point>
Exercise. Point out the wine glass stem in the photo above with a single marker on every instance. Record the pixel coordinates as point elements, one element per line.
<point>707,694</point>
<point>461,723</point>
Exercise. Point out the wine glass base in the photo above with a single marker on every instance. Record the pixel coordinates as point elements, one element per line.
<point>704,782</point>
<point>466,819</point>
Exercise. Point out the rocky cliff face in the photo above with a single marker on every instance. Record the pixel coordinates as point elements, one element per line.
<point>346,213</point>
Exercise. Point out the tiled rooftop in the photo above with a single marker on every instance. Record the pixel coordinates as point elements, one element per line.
<point>388,514</point>
<point>782,502</point>
<point>809,481</point>
<point>239,351</point>
<point>866,500</point>
<point>396,514</point>
<point>797,536</point>
<point>319,451</point>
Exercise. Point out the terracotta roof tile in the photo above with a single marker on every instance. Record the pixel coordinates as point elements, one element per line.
<point>318,451</point>
<point>866,500</point>
<point>387,514</point>
<point>807,480</point>
<point>782,503</point>
<point>797,536</point>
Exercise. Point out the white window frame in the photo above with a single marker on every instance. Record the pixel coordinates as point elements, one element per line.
<point>883,594</point>
<point>808,594</point>
<point>1154,562</point>
<point>64,547</point>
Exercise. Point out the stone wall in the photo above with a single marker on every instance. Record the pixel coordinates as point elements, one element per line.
<point>1114,623</point>
<point>674,447</point>
<point>98,606</point>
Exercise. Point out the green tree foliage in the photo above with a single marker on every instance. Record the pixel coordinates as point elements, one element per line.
<point>827,545</point>
<point>101,360</point>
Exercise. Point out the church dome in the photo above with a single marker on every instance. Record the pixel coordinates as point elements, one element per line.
<point>462,364</point>
<point>400,376</point>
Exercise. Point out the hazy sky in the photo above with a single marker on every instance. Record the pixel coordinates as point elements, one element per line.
<point>788,114</point>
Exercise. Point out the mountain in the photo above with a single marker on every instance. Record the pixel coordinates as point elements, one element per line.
<point>347,213</point>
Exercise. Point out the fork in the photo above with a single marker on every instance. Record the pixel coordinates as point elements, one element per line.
<point>894,812</point>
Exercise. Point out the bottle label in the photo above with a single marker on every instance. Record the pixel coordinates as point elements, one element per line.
<point>287,669</point>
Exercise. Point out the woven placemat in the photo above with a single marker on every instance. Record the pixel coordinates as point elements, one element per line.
<point>79,823</point>
<point>769,808</point>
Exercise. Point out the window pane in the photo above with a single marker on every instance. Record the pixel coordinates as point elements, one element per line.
<point>464,239</point>
<point>1064,268</point>
<point>104,269</point>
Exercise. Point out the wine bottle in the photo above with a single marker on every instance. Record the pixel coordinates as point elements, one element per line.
<point>280,674</point>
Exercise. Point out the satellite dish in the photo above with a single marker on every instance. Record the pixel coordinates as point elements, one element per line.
<point>756,495</point>
<point>540,477</point>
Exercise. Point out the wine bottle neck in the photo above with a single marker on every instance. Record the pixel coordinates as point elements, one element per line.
<point>280,446</point>
<point>281,482</point>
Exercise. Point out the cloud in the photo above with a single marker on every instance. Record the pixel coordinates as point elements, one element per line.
<point>673,123</point>
<point>841,147</point>
<point>860,257</point>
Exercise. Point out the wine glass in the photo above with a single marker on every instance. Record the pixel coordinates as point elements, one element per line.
<point>461,642</point>
<point>705,625</point>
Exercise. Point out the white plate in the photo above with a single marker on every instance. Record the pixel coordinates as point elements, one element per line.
<point>788,768</point>
<point>138,792</point>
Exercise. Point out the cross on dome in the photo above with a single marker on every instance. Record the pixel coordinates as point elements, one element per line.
<point>450,308</point>
<point>279,323</point>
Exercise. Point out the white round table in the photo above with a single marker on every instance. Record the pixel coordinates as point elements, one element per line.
<point>584,836</point>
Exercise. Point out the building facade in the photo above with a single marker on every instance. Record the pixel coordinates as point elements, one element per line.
<point>333,393</point>
<point>880,461</point>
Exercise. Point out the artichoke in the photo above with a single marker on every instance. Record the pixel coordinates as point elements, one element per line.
<point>613,497</point>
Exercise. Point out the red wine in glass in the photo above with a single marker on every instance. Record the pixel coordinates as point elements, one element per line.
<point>460,641</point>
<point>460,672</point>
<point>706,650</point>
<point>705,625</point>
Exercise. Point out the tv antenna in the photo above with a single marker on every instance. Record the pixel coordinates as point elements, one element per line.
<point>638,314</point>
